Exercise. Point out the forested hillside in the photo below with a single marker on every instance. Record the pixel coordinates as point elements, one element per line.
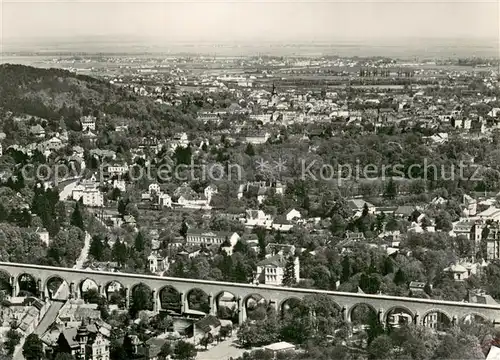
<point>59,95</point>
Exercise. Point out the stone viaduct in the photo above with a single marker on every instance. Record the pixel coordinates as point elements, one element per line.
<point>383,305</point>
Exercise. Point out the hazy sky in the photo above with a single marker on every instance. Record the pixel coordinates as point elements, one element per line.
<point>251,20</point>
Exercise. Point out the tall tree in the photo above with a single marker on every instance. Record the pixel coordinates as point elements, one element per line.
<point>346,269</point>
<point>96,247</point>
<point>185,351</point>
<point>289,272</point>
<point>365,210</point>
<point>250,150</point>
<point>239,274</point>
<point>391,189</point>
<point>119,252</point>
<point>388,267</point>
<point>165,351</point>
<point>184,229</point>
<point>13,339</point>
<point>33,348</point>
<point>400,277</point>
<point>375,328</point>
<point>77,217</point>
<point>141,299</point>
<point>261,237</point>
<point>140,242</point>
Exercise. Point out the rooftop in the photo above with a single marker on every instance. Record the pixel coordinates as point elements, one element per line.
<point>280,346</point>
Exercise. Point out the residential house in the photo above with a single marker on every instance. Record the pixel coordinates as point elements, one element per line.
<point>209,191</point>
<point>492,213</point>
<point>208,237</point>
<point>264,118</point>
<point>398,319</point>
<point>293,215</point>
<point>193,202</point>
<point>164,200</point>
<point>52,144</point>
<point>279,348</point>
<point>279,188</point>
<point>102,154</point>
<point>43,234</point>
<point>154,188</point>
<point>392,237</point>
<point>262,194</point>
<point>130,220</point>
<point>418,228</point>
<point>120,185</point>
<point>37,131</point>
<point>478,296</point>
<point>208,325</point>
<point>417,287</point>
<point>439,138</point>
<point>357,206</point>
<point>493,243</point>
<point>88,123</point>
<point>78,311</point>
<point>90,136</point>
<point>157,263</point>
<point>494,112</point>
<point>115,170</point>
<point>438,200</point>
<point>89,193</point>
<point>235,109</point>
<point>257,218</point>
<point>271,270</point>
<point>273,249</point>
<point>26,312</point>
<point>471,229</point>
<point>151,349</point>
<point>207,117</point>
<point>188,198</point>
<point>179,140</point>
<point>387,210</point>
<point>356,236</point>
<point>90,197</point>
<point>470,205</point>
<point>404,211</point>
<point>433,319</point>
<point>84,343</point>
<point>281,224</point>
<point>149,142</point>
<point>462,270</point>
<point>257,138</point>
<point>121,128</point>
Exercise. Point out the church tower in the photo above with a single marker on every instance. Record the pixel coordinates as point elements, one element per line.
<point>82,336</point>
<point>274,96</point>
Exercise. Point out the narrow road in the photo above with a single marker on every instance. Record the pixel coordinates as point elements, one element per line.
<point>224,350</point>
<point>63,196</point>
<point>68,190</point>
<point>85,252</point>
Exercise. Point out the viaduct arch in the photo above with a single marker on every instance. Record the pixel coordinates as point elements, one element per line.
<point>274,295</point>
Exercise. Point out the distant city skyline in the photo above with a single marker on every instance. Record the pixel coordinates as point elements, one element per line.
<point>249,21</point>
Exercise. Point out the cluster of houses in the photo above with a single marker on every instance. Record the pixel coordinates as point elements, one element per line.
<point>471,225</point>
<point>25,312</point>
